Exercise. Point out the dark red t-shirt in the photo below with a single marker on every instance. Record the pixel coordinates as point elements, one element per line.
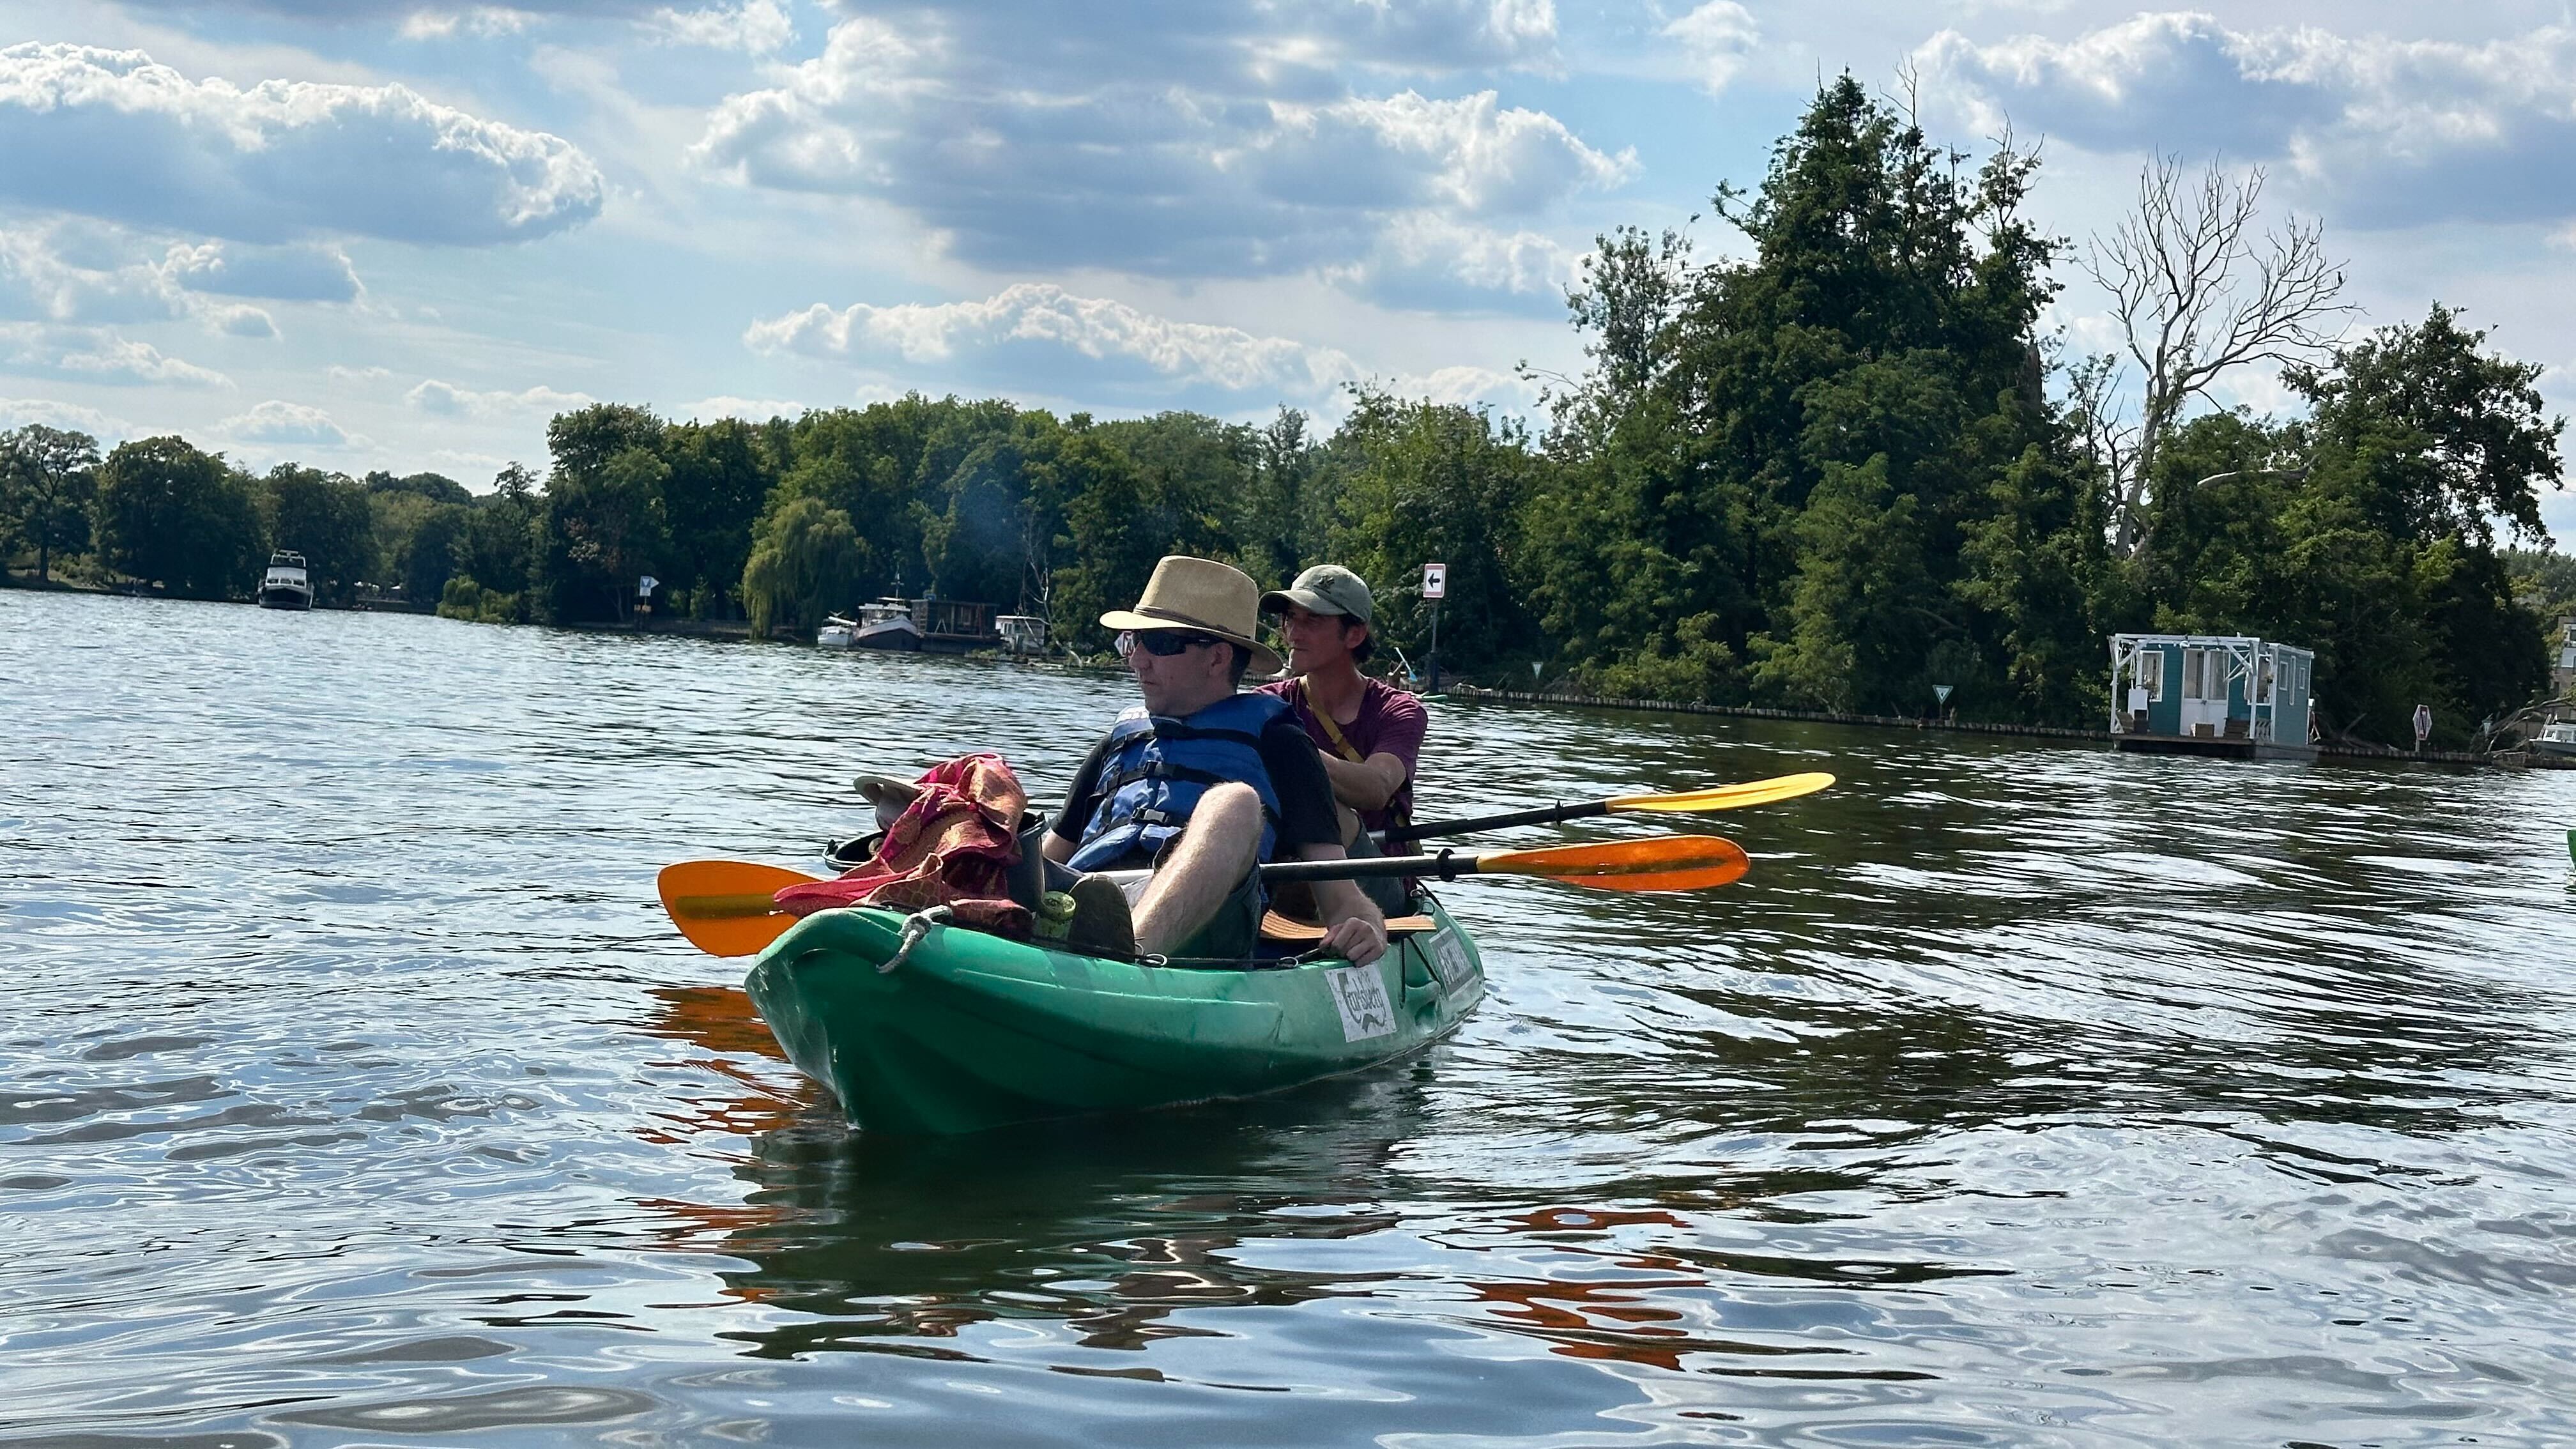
<point>1390,722</point>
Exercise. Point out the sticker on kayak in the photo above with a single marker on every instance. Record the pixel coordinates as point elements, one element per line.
<point>1360,997</point>
<point>1449,959</point>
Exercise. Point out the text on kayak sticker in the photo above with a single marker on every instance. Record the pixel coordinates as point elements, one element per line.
<point>1360,997</point>
<point>1449,959</point>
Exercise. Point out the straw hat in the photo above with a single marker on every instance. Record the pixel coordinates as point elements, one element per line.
<point>1201,595</point>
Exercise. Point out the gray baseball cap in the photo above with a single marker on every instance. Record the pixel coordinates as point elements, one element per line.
<point>1324,589</point>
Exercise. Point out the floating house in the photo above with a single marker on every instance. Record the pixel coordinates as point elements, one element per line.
<point>2211,694</point>
<point>1022,634</point>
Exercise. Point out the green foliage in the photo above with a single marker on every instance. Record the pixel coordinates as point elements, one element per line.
<point>2546,578</point>
<point>429,554</point>
<point>1116,527</point>
<point>602,526</point>
<point>431,487</point>
<point>502,537</point>
<point>1425,481</point>
<point>462,598</point>
<point>805,562</point>
<point>326,518</point>
<point>48,477</point>
<point>1874,364</point>
<point>2043,593</point>
<point>166,514</point>
<point>1860,617</point>
<point>2430,436</point>
<point>719,478</point>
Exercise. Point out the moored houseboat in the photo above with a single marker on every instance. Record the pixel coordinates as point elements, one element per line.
<point>2230,695</point>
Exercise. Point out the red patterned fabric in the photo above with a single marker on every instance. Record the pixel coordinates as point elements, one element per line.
<point>953,846</point>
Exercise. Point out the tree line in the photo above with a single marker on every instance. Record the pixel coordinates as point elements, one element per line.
<point>1830,474</point>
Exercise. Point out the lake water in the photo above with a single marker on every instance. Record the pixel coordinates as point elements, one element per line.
<point>353,1089</point>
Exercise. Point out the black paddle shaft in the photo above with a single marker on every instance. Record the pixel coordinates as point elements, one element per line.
<point>1543,815</point>
<point>1447,865</point>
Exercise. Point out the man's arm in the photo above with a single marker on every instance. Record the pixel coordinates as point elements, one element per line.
<point>1364,784</point>
<point>1309,830</point>
<point>1065,836</point>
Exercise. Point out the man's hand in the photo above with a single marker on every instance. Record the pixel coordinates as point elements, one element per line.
<point>1352,925</point>
<point>1358,939</point>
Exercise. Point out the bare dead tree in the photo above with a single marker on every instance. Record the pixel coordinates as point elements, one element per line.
<point>2198,292</point>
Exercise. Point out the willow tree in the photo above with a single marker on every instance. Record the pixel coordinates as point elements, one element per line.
<point>806,560</point>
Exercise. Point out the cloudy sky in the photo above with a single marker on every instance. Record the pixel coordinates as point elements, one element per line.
<point>368,234</point>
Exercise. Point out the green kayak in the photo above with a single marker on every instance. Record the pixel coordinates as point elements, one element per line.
<point>970,1031</point>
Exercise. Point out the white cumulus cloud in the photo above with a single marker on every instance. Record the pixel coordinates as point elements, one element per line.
<point>112,134</point>
<point>92,274</point>
<point>448,400</point>
<point>755,27</point>
<point>1227,358</point>
<point>71,417</point>
<point>485,20</point>
<point>1715,40</point>
<point>1425,261</point>
<point>2380,131</point>
<point>95,354</point>
<point>1202,141</point>
<point>300,273</point>
<point>746,409</point>
<point>276,421</point>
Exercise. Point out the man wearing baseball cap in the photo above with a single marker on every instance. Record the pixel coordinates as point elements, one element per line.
<point>1369,733</point>
<point>1203,782</point>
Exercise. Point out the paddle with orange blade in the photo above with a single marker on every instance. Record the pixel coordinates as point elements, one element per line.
<point>724,906</point>
<point>1687,802</point>
<point>1658,863</point>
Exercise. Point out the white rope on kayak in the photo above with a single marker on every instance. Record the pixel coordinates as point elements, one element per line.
<point>915,926</point>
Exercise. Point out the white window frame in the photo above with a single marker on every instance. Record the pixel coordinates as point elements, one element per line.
<point>2151,680</point>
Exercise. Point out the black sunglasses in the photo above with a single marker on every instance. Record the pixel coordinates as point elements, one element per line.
<point>1162,643</point>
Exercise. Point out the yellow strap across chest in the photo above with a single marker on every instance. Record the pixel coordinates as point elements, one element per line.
<point>1332,731</point>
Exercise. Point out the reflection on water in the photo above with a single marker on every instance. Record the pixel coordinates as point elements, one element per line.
<point>354,1091</point>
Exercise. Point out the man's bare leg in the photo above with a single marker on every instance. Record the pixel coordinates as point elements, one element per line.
<point>1201,869</point>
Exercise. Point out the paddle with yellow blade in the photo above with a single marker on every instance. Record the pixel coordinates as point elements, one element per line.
<point>1691,802</point>
<point>724,906</point>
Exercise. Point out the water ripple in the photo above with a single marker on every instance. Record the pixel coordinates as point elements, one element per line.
<point>355,1090</point>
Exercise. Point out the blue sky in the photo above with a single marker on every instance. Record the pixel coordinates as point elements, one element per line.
<point>401,235</point>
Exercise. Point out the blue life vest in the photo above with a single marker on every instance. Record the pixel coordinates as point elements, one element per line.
<point>1157,769</point>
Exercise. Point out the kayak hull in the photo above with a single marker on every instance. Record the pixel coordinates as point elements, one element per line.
<point>971,1031</point>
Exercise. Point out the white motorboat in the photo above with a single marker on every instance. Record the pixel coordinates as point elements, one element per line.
<point>886,624</point>
<point>286,584</point>
<point>2558,737</point>
<point>836,633</point>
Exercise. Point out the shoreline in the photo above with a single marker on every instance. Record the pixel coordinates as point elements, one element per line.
<point>1528,700</point>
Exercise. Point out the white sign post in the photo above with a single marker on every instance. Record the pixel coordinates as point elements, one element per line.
<point>644,588</point>
<point>1435,587</point>
<point>2423,725</point>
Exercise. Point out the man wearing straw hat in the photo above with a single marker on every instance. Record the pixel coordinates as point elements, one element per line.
<point>1203,782</point>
